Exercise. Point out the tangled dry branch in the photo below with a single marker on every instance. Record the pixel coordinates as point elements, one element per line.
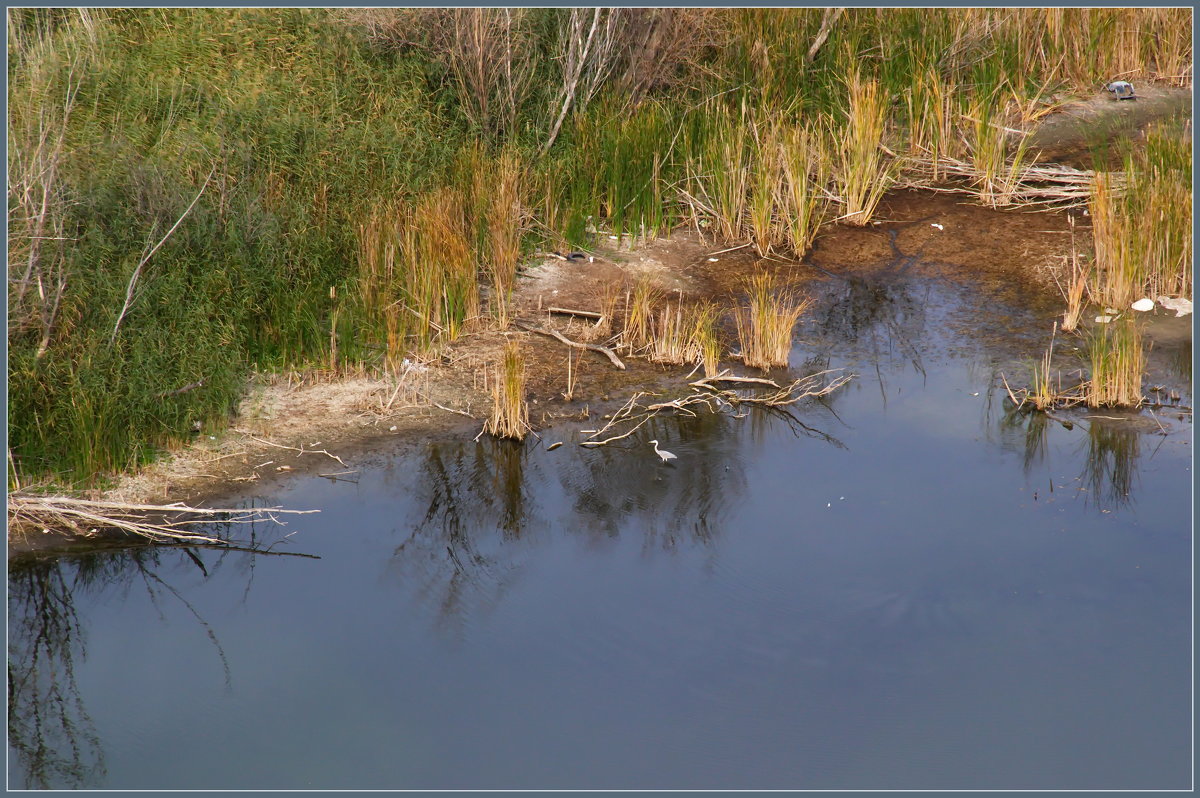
<point>160,523</point>
<point>634,414</point>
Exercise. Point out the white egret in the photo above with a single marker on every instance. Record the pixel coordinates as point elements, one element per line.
<point>665,455</point>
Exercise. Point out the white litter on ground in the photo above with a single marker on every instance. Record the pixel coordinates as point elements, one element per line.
<point>1143,304</point>
<point>1181,305</point>
<point>1103,319</point>
<point>412,365</point>
<point>935,224</point>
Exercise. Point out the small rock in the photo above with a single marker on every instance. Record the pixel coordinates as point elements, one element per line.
<point>392,428</point>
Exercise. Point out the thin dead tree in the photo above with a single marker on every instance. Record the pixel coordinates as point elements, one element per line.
<point>133,279</point>
<point>37,213</point>
<point>587,60</point>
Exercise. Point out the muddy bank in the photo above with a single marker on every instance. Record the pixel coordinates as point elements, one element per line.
<point>316,424</point>
<point>1075,133</point>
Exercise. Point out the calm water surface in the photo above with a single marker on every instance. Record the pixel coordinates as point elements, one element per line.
<point>902,587</point>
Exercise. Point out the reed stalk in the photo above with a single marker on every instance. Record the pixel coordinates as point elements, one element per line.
<point>803,199</point>
<point>504,229</point>
<point>1044,394</point>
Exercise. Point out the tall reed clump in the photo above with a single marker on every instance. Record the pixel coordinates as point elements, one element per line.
<point>806,159</point>
<point>510,410</point>
<point>1114,233</point>
<point>441,288</point>
<point>504,228</point>
<point>719,169</point>
<point>638,332</point>
<point>765,326</point>
<point>998,167</point>
<point>1143,227</point>
<point>933,119</point>
<point>864,173</point>
<point>764,231</point>
<point>686,334</point>
<point>1117,363</point>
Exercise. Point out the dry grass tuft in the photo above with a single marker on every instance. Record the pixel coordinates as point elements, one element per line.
<point>510,411</point>
<point>765,327</point>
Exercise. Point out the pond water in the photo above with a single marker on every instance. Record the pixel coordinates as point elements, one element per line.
<point>900,586</point>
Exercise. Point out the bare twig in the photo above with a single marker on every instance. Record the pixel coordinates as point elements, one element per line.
<point>137,271</point>
<point>292,448</point>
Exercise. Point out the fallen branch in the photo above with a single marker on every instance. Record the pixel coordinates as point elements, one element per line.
<point>830,16</point>
<point>715,400</point>
<point>724,377</point>
<point>616,361</point>
<point>84,516</point>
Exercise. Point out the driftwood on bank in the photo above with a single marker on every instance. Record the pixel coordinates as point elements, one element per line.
<point>156,522</point>
<point>604,350</point>
<point>587,314</point>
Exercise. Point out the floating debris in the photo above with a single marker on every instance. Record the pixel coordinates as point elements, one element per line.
<point>553,446</point>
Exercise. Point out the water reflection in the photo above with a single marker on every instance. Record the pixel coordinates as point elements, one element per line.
<point>1111,464</point>
<point>1026,433</point>
<point>49,729</point>
<point>877,317</point>
<point>48,724</point>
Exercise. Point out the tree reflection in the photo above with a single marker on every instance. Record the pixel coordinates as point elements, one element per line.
<point>48,725</point>
<point>55,742</point>
<point>476,498</point>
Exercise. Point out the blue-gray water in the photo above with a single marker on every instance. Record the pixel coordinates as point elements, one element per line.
<point>881,591</point>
